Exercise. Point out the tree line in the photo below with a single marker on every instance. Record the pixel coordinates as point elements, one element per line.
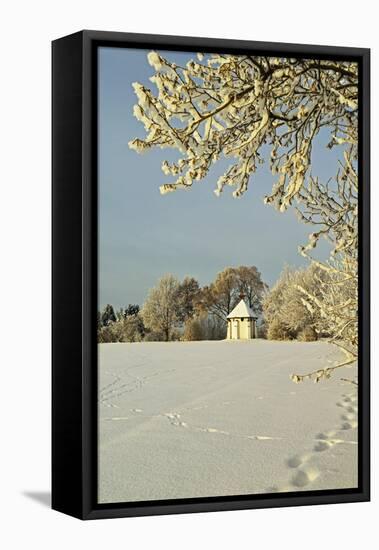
<point>183,310</point>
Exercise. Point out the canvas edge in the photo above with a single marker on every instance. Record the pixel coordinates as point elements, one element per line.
<point>66,474</point>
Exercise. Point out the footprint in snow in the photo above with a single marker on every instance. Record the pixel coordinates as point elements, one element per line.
<point>350,425</point>
<point>323,446</point>
<point>304,476</point>
<point>297,460</point>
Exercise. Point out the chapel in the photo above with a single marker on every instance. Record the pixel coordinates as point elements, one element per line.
<point>242,324</point>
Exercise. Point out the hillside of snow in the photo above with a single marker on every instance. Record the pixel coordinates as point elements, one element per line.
<point>192,419</point>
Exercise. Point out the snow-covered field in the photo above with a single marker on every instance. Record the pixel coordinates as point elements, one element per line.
<point>181,420</point>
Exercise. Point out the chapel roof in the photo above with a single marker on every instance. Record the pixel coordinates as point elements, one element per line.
<point>241,310</point>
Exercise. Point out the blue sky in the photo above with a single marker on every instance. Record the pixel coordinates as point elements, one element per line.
<point>143,235</point>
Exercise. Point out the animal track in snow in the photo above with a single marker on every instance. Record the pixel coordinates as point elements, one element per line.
<point>263,437</point>
<point>214,430</point>
<point>175,419</point>
<point>119,386</point>
<point>109,405</point>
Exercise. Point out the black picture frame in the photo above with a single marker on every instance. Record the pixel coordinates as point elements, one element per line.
<point>74,272</point>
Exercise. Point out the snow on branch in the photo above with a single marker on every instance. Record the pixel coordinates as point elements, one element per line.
<point>325,373</point>
<point>334,209</point>
<point>234,105</point>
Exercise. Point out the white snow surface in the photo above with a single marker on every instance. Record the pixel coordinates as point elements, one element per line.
<point>195,419</point>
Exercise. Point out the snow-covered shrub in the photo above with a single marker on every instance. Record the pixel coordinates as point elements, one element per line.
<point>307,334</point>
<point>153,336</point>
<point>277,330</point>
<point>133,329</point>
<point>125,329</point>
<point>193,330</point>
<point>205,327</point>
<point>176,335</point>
<point>285,309</point>
<point>113,332</point>
<point>104,335</point>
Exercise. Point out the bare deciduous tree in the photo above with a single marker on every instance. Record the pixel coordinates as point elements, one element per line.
<point>187,295</point>
<point>251,286</point>
<point>221,296</point>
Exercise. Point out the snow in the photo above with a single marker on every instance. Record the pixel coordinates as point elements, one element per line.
<point>193,419</point>
<point>241,310</point>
